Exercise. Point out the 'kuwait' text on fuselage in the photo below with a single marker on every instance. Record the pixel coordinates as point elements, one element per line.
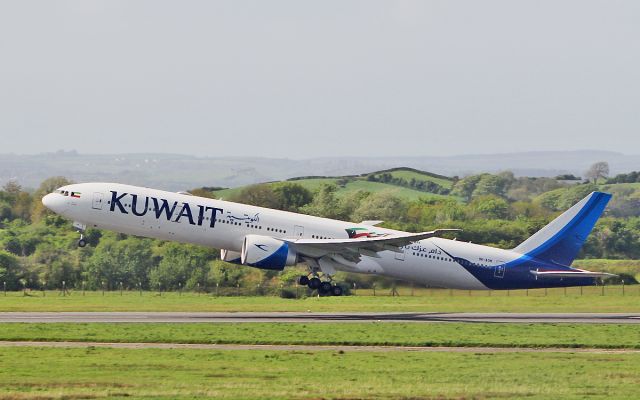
<point>161,208</point>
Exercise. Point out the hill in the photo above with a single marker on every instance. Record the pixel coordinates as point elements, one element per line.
<point>405,183</point>
<point>180,172</point>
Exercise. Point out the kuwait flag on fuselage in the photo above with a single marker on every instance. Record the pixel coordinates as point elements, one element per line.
<point>357,232</point>
<point>76,194</point>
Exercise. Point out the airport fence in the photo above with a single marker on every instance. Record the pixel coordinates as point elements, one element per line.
<point>297,291</point>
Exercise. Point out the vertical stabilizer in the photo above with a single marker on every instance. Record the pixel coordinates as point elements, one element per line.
<point>560,241</point>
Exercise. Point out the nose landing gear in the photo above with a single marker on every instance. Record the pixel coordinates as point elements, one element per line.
<point>80,228</point>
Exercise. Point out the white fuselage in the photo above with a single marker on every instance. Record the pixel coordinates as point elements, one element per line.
<point>221,224</point>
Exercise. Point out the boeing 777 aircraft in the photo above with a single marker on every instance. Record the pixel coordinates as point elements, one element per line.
<point>272,239</point>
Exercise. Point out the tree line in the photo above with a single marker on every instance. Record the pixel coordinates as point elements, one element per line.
<point>38,249</point>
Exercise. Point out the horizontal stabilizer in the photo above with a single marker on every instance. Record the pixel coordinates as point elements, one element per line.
<point>571,274</point>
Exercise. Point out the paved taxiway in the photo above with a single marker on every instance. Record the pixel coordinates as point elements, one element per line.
<point>346,317</point>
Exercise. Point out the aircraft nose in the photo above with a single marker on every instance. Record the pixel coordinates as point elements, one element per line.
<point>53,202</point>
<point>47,200</point>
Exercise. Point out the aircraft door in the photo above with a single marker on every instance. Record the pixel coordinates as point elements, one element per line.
<point>97,201</point>
<point>499,271</point>
<point>298,231</point>
<point>400,256</point>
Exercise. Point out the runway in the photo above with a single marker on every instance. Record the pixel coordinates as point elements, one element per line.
<point>298,317</point>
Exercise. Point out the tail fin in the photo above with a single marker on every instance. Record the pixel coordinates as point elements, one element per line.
<point>560,241</point>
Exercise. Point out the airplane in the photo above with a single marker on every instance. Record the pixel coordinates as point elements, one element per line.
<point>273,239</point>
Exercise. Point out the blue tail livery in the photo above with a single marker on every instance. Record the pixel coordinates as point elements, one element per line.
<point>560,241</point>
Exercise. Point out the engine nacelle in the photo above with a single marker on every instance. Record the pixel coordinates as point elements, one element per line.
<point>229,256</point>
<point>267,253</point>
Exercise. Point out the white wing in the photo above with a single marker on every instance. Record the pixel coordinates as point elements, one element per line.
<point>353,249</point>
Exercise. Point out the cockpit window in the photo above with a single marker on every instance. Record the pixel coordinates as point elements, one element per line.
<point>63,192</point>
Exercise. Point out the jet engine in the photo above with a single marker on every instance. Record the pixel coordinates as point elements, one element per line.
<point>230,256</point>
<point>267,253</point>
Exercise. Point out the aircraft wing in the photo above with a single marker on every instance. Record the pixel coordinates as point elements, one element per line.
<point>574,273</point>
<point>353,249</point>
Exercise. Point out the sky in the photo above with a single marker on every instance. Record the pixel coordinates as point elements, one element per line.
<point>303,79</point>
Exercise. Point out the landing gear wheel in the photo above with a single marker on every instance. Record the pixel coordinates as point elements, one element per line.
<point>325,288</point>
<point>82,243</point>
<point>314,283</point>
<point>336,291</point>
<point>303,280</point>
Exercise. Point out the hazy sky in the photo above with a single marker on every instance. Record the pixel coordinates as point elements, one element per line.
<point>301,79</point>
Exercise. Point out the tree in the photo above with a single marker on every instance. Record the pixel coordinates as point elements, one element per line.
<point>492,185</point>
<point>597,171</point>
<point>567,177</point>
<point>258,195</point>
<point>12,188</point>
<point>491,207</point>
<point>185,265</point>
<point>350,202</point>
<point>465,187</point>
<point>15,202</point>
<point>292,196</point>
<point>114,261</point>
<point>382,206</point>
<point>325,203</point>
<point>9,270</point>
<point>202,192</point>
<point>53,261</point>
<point>225,274</point>
<point>47,186</point>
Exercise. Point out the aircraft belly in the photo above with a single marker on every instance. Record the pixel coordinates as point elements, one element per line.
<point>438,274</point>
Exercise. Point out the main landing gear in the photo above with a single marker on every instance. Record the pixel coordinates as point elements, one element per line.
<point>324,288</point>
<point>82,242</point>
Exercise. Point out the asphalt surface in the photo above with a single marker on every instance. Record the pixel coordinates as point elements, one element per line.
<point>287,347</point>
<point>342,317</point>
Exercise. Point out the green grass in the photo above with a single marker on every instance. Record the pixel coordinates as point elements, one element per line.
<point>409,174</point>
<point>314,184</point>
<point>631,267</point>
<point>361,333</point>
<point>378,187</point>
<point>607,187</point>
<point>425,300</point>
<point>47,373</point>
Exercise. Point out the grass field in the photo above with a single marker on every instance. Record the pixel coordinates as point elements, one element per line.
<point>409,174</point>
<point>631,267</point>
<point>37,373</point>
<point>45,373</point>
<point>591,299</point>
<point>365,334</point>
<point>377,187</point>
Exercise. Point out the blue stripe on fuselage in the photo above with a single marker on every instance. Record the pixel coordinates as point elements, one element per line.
<point>517,274</point>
